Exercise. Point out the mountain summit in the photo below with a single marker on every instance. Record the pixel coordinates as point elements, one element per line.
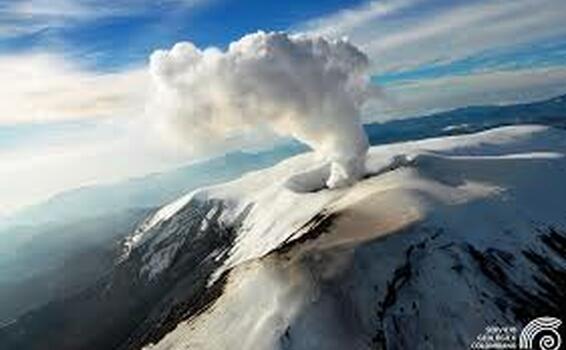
<point>441,239</point>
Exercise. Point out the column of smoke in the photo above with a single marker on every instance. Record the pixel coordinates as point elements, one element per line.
<point>302,86</point>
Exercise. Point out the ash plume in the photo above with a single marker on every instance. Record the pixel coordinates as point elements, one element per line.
<point>306,87</point>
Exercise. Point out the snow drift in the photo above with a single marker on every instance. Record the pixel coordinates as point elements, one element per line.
<point>306,87</point>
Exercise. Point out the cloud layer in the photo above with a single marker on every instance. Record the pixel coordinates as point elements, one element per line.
<point>28,16</point>
<point>478,46</point>
<point>301,86</point>
<point>404,34</point>
<point>42,88</point>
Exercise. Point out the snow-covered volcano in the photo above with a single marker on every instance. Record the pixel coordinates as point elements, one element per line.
<point>398,260</point>
<point>442,238</point>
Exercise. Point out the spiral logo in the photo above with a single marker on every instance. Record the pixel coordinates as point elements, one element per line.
<point>551,339</point>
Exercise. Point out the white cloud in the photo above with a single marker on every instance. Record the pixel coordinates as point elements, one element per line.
<point>19,17</point>
<point>49,8</point>
<point>406,35</point>
<point>77,9</point>
<point>99,152</point>
<point>45,88</point>
<point>344,21</point>
<point>29,16</point>
<point>450,33</point>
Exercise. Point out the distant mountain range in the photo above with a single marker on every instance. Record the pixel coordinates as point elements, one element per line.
<point>468,120</point>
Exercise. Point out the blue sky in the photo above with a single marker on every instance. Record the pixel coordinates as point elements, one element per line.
<point>124,37</point>
<point>408,40</point>
<point>75,80</point>
<point>550,53</point>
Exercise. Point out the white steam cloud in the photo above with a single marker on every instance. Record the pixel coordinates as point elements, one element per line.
<point>302,86</point>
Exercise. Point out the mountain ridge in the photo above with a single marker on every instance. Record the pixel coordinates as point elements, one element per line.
<point>456,230</point>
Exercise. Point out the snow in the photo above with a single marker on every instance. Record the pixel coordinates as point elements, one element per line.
<point>140,236</point>
<point>283,200</point>
<point>266,293</point>
<point>288,195</point>
<point>508,179</point>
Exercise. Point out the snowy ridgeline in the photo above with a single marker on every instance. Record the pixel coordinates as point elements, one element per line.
<point>438,241</point>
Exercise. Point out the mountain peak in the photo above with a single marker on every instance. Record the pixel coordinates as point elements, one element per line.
<point>442,238</point>
<point>298,256</point>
